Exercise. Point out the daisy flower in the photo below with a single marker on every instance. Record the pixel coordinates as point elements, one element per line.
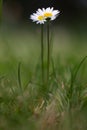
<point>50,13</point>
<point>38,17</point>
<point>42,15</point>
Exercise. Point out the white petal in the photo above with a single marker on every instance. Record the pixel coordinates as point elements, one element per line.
<point>34,14</point>
<point>48,9</point>
<point>55,12</point>
<point>37,22</point>
<point>44,10</point>
<point>39,11</point>
<point>33,17</point>
<point>54,17</point>
<point>51,9</point>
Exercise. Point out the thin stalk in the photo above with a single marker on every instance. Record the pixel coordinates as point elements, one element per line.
<point>19,78</point>
<point>42,54</point>
<point>48,51</point>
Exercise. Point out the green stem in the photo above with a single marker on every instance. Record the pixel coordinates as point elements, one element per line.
<point>19,78</point>
<point>48,52</point>
<point>42,54</point>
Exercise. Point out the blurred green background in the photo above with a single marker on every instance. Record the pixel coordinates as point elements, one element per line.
<point>20,37</point>
<point>20,42</point>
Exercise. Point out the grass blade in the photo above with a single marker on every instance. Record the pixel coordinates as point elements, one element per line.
<point>73,77</point>
<point>19,76</point>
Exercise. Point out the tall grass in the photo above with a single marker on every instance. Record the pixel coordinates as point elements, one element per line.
<point>24,103</point>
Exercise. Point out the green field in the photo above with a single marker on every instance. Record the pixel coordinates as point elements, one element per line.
<point>24,103</point>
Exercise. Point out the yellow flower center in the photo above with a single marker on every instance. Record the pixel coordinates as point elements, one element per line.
<point>47,15</point>
<point>40,17</point>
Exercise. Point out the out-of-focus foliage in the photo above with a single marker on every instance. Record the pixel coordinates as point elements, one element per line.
<point>1,2</point>
<point>24,103</point>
